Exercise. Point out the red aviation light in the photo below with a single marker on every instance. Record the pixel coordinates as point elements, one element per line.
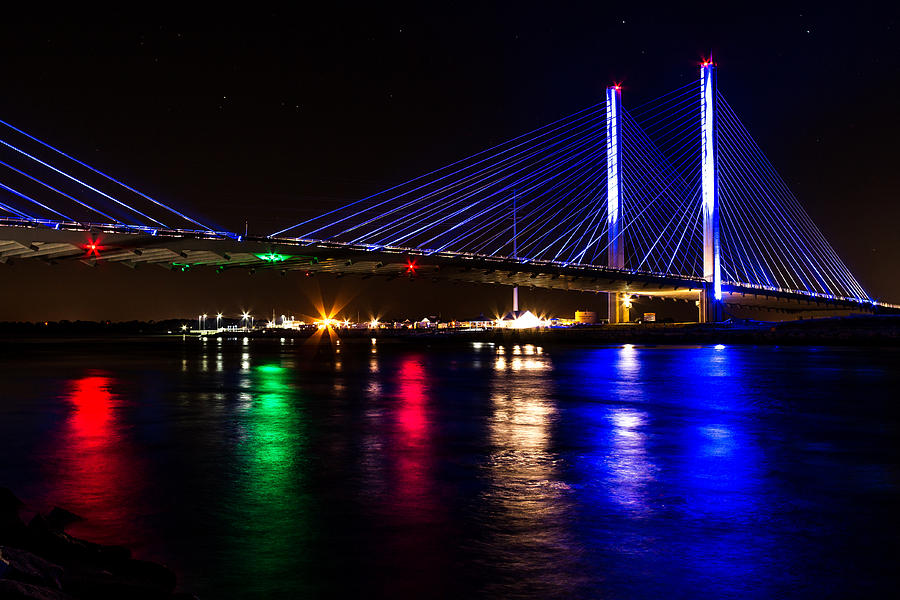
<point>92,248</point>
<point>411,266</point>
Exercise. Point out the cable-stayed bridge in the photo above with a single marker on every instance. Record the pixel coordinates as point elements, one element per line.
<point>672,198</point>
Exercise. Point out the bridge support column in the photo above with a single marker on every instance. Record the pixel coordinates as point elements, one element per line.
<point>711,298</point>
<point>619,307</point>
<point>710,308</point>
<point>618,312</point>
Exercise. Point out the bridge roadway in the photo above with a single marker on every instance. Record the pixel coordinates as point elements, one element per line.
<point>186,250</point>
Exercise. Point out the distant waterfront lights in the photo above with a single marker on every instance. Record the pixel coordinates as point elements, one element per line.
<point>719,346</point>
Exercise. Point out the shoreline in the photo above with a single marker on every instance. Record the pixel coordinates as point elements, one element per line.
<point>40,561</point>
<point>872,330</point>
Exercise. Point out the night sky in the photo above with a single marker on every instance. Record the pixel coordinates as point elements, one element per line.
<point>273,117</point>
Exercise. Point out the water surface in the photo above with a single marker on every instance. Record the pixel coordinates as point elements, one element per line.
<point>267,469</point>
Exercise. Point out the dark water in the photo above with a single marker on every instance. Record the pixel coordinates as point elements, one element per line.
<point>280,470</point>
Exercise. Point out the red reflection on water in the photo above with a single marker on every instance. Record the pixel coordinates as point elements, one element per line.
<point>411,414</point>
<point>414,504</point>
<point>96,472</point>
<point>412,442</point>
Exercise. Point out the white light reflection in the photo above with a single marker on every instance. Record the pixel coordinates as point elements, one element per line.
<point>628,467</point>
<point>526,497</point>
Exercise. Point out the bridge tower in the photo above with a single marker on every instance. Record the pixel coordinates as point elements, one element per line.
<point>711,296</point>
<point>618,312</point>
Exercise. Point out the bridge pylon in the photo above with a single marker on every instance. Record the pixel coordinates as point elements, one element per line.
<point>618,302</point>
<point>711,296</point>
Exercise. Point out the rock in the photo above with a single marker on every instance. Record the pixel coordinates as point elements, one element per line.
<point>23,566</point>
<point>60,518</point>
<point>9,503</point>
<point>56,545</point>
<point>16,590</point>
<point>103,585</point>
<point>12,530</point>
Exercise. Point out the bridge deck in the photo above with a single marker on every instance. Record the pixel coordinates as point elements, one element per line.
<point>180,250</point>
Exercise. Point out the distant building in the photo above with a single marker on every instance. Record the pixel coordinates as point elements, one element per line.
<point>518,319</point>
<point>479,322</point>
<point>585,317</point>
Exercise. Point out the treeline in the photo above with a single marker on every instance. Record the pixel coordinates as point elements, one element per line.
<point>65,326</point>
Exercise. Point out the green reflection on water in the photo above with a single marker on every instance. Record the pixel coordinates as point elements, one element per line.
<point>270,511</point>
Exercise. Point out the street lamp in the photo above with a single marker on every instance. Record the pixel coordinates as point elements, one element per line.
<point>218,318</point>
<point>199,322</point>
<point>204,321</point>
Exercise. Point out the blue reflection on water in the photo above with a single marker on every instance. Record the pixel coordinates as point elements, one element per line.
<point>668,471</point>
<point>498,471</point>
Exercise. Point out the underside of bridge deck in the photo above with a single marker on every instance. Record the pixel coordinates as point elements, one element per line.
<point>183,252</point>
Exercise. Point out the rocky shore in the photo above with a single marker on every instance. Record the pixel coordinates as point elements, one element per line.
<point>40,561</point>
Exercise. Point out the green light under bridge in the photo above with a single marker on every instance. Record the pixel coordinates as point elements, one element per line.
<point>273,257</point>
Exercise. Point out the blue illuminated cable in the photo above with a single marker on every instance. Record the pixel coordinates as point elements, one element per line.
<point>653,125</point>
<point>14,210</point>
<point>489,170</point>
<point>557,202</point>
<point>789,245</point>
<point>590,176</point>
<point>655,162</point>
<point>97,171</point>
<point>537,205</point>
<point>495,174</point>
<point>747,223</point>
<point>61,193</point>
<point>531,141</point>
<point>790,200</point>
<point>501,191</point>
<point>443,205</point>
<point>42,205</point>
<point>630,223</point>
<point>794,206</point>
<point>597,221</point>
<point>671,171</point>
<point>640,109</point>
<point>571,118</point>
<point>93,189</point>
<point>731,235</point>
<point>531,175</point>
<point>727,197</point>
<point>572,242</point>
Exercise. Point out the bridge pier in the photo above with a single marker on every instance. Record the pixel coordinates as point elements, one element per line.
<point>615,253</point>
<point>711,297</point>
<point>619,308</point>
<point>711,309</point>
